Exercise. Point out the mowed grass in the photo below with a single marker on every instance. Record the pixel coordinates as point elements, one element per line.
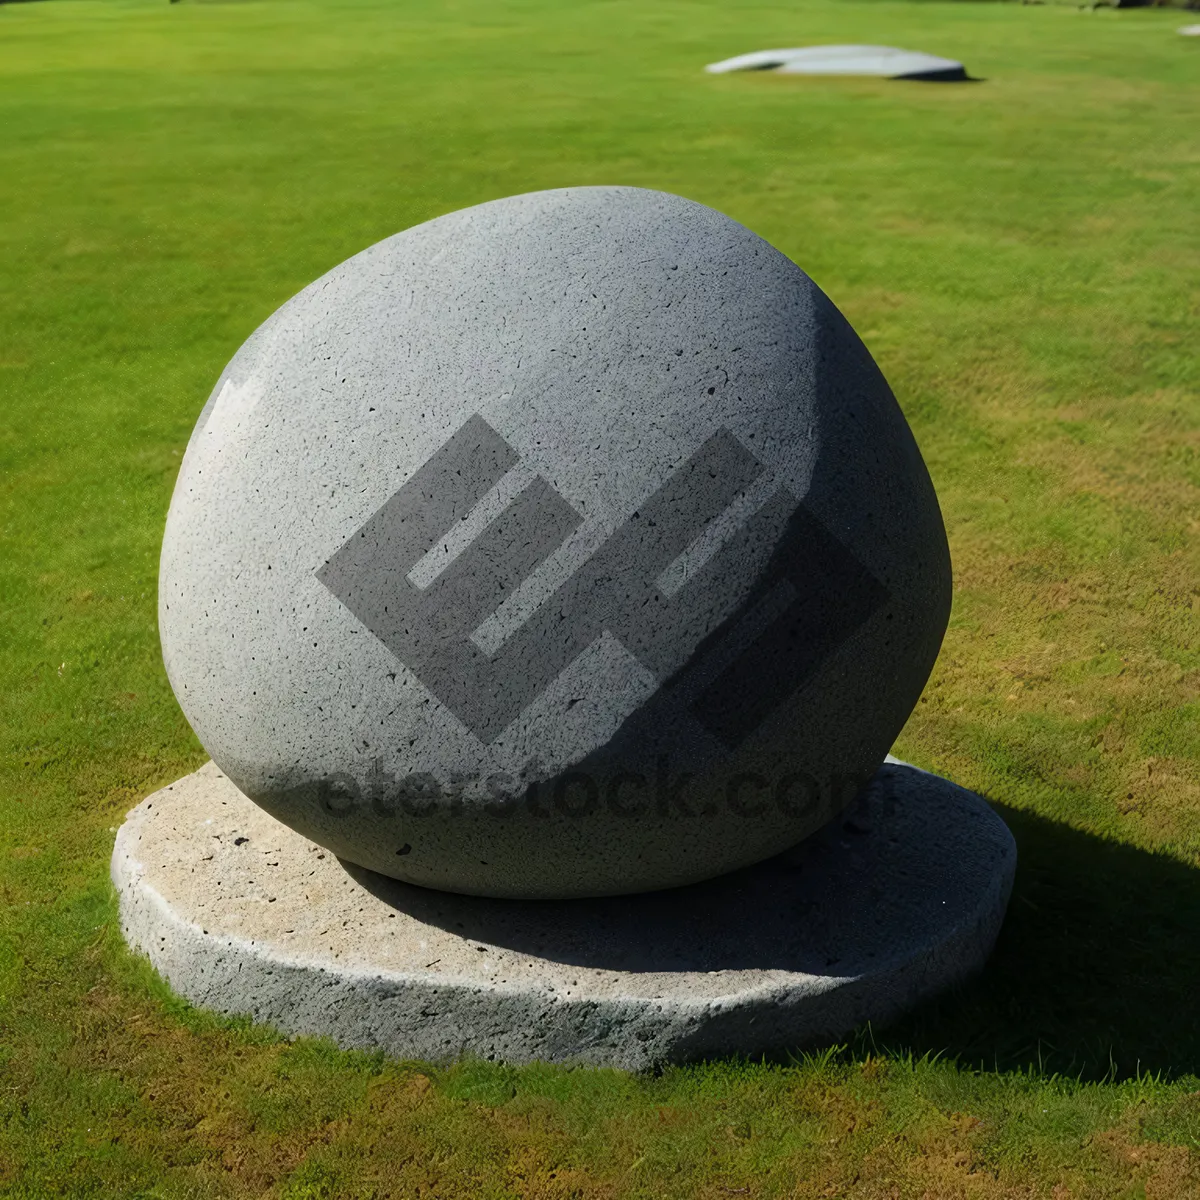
<point>1022,256</point>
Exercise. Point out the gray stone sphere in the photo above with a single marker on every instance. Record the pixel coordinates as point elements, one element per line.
<point>568,545</point>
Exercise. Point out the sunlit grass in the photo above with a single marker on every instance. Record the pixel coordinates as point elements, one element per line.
<point>1021,255</point>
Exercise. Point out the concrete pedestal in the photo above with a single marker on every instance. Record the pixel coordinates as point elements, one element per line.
<point>898,899</point>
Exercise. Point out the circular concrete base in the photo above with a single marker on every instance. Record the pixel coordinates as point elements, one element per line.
<point>898,898</point>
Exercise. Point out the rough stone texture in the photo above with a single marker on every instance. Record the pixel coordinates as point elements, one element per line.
<point>886,61</point>
<point>586,506</point>
<point>899,898</point>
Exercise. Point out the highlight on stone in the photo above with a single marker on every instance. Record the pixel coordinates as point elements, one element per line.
<point>885,61</point>
<point>586,508</point>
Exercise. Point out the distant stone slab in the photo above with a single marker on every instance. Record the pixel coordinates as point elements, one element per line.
<point>571,544</point>
<point>886,61</point>
<point>899,898</point>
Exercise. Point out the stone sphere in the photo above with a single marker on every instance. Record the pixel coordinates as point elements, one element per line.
<point>568,545</point>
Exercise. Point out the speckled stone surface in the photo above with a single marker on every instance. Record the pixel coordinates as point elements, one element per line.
<point>899,898</point>
<point>568,545</point>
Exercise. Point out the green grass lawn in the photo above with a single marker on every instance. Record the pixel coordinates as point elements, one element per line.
<point>1022,256</point>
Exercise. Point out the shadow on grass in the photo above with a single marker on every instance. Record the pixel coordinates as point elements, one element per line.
<point>939,77</point>
<point>1096,972</point>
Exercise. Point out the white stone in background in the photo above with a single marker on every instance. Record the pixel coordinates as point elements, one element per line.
<point>886,61</point>
<point>1190,30</point>
<point>894,902</point>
